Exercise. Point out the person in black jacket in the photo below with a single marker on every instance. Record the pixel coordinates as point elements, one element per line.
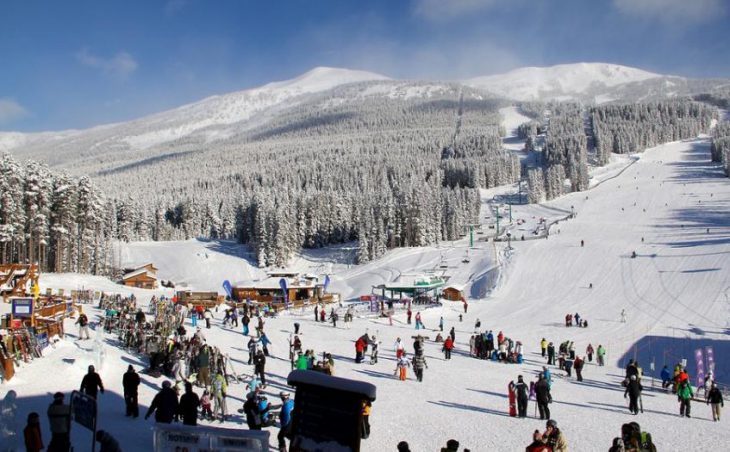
<point>259,362</point>
<point>542,393</point>
<point>551,354</point>
<point>522,390</point>
<point>91,384</point>
<point>251,409</point>
<point>714,397</point>
<point>633,390</point>
<point>189,403</point>
<point>164,405</point>
<point>130,382</point>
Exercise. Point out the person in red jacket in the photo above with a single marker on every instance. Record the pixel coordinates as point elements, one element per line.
<point>359,350</point>
<point>537,444</point>
<point>448,346</point>
<point>500,338</point>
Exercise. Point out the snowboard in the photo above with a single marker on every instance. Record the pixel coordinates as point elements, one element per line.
<point>512,402</point>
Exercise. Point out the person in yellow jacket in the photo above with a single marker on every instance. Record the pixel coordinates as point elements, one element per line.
<point>219,389</point>
<point>366,407</point>
<point>543,346</point>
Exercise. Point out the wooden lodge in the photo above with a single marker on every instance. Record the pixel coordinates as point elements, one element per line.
<point>143,277</point>
<point>302,289</point>
<point>453,292</point>
<point>204,299</point>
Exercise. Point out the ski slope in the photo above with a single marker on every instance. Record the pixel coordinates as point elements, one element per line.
<point>675,293</point>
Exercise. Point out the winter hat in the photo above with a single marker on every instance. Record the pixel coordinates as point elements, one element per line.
<point>166,384</point>
<point>403,447</point>
<point>519,378</point>
<point>452,444</point>
<point>130,368</point>
<point>551,423</point>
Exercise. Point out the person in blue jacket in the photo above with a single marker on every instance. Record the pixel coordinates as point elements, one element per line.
<point>666,377</point>
<point>548,376</point>
<point>285,416</point>
<point>264,340</point>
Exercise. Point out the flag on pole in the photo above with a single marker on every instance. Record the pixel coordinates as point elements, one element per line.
<point>282,284</point>
<point>228,288</point>
<point>710,359</point>
<point>326,283</point>
<point>700,367</point>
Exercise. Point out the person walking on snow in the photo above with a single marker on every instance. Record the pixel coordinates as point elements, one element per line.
<point>188,406</point>
<point>402,367</point>
<point>419,324</point>
<point>91,383</point>
<point>589,353</point>
<point>399,348</point>
<point>130,383</point>
<point>83,323</point>
<point>419,362</point>
<point>448,346</point>
<point>633,391</point>
<point>714,397</point>
<point>543,397</point>
<point>684,394</point>
<point>452,333</point>
<point>600,353</point>
<point>551,354</point>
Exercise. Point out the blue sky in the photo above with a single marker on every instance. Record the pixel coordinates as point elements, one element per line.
<point>75,64</point>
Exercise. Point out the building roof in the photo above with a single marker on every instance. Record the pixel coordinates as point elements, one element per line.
<point>272,283</point>
<point>138,272</point>
<point>414,283</point>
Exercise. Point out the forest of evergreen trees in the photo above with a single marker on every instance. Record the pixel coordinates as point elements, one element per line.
<point>385,172</point>
<point>64,224</point>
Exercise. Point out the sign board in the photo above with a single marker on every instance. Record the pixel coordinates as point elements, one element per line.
<point>42,340</point>
<point>179,438</point>
<point>83,408</point>
<point>22,308</point>
<point>327,411</point>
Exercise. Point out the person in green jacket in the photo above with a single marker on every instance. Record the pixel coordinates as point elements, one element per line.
<point>301,362</point>
<point>684,394</point>
<point>218,390</point>
<point>600,354</point>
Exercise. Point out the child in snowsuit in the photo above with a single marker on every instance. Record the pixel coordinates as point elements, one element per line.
<point>205,405</point>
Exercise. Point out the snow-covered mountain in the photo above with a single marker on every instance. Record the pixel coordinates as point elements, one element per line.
<point>564,81</point>
<point>230,118</point>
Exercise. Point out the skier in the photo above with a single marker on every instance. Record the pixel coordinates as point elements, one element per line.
<point>188,407</point>
<point>448,346</point>
<point>83,323</point>
<point>419,362</point>
<point>285,416</point>
<point>633,391</point>
<point>522,391</point>
<point>59,418</point>
<point>322,314</point>
<point>589,352</point>
<point>164,405</point>
<point>714,397</point>
<point>684,394</point>
<point>543,346</point>
<point>600,353</point>
<point>91,383</point>
<point>543,397</point>
<point>130,383</point>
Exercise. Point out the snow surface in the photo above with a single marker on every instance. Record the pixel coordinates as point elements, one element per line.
<point>560,82</point>
<point>675,293</point>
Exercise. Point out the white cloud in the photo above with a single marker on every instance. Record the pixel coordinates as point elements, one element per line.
<point>440,10</point>
<point>10,110</point>
<point>671,11</point>
<point>120,66</point>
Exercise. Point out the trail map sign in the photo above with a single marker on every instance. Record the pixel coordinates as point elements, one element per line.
<point>83,408</point>
<point>183,438</point>
<point>22,308</point>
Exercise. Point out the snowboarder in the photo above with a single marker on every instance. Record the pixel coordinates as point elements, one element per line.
<point>543,397</point>
<point>714,397</point>
<point>188,407</point>
<point>251,349</point>
<point>91,383</point>
<point>522,391</point>
<point>684,394</point>
<point>164,405</point>
<point>130,383</point>
<point>633,391</point>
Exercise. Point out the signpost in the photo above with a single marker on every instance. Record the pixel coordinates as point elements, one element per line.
<point>83,408</point>
<point>175,438</point>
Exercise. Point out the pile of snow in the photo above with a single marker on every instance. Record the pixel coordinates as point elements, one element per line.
<point>563,81</point>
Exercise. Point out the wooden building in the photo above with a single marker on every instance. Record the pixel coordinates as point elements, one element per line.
<point>143,277</point>
<point>453,292</point>
<point>302,289</point>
